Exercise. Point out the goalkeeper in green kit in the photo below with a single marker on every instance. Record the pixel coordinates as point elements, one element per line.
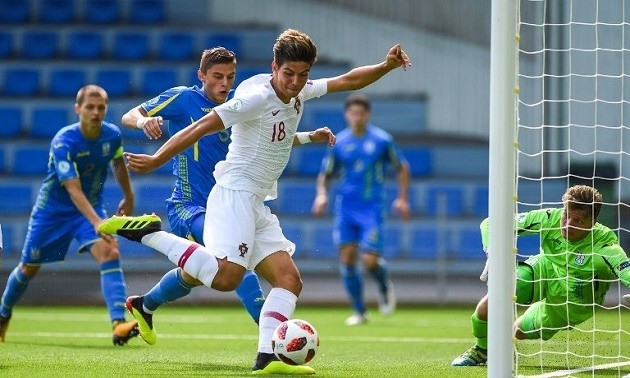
<point>565,283</point>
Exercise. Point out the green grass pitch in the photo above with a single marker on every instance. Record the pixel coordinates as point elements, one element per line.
<point>221,341</point>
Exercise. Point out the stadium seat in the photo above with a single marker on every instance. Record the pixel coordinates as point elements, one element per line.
<point>21,82</point>
<point>39,44</point>
<point>331,117</point>
<point>2,160</point>
<point>297,235</point>
<point>47,120</point>
<point>101,11</point>
<point>469,246</point>
<point>85,45</point>
<point>150,197</point>
<point>231,41</point>
<point>66,82</point>
<point>419,159</point>
<point>14,11</point>
<point>8,240</point>
<point>452,197</point>
<point>296,198</point>
<point>117,82</point>
<point>147,12</point>
<point>6,45</point>
<point>323,243</point>
<point>56,11</point>
<point>20,203</point>
<point>157,80</point>
<point>11,117</point>
<point>310,160</point>
<point>243,73</point>
<point>424,242</point>
<point>131,46</point>
<point>392,247</point>
<point>30,160</point>
<point>480,201</point>
<point>176,46</point>
<point>131,249</point>
<point>528,245</point>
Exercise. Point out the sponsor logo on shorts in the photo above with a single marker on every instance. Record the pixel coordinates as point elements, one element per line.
<point>243,249</point>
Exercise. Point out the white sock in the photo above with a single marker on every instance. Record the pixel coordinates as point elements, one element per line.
<point>278,307</point>
<point>193,258</point>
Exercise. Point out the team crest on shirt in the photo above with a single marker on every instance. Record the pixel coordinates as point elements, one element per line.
<point>243,249</point>
<point>298,105</point>
<point>580,259</point>
<point>64,166</point>
<point>369,146</point>
<point>234,104</point>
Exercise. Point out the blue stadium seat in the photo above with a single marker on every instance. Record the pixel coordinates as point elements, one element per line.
<point>117,82</point>
<point>393,245</point>
<point>20,195</point>
<point>8,239</point>
<point>469,246</point>
<point>6,45</point>
<point>30,160</point>
<point>296,234</point>
<point>66,82</point>
<point>150,198</point>
<point>21,82</point>
<point>56,11</point>
<point>2,160</point>
<point>528,245</point>
<point>131,249</point>
<point>85,45</point>
<point>310,161</point>
<point>111,197</point>
<point>131,46</point>
<point>296,198</point>
<point>157,80</point>
<point>147,12</point>
<point>243,73</point>
<point>323,243</point>
<point>39,44</point>
<point>47,120</point>
<point>231,41</point>
<point>176,46</point>
<point>419,159</point>
<point>101,11</point>
<point>331,117</point>
<point>11,117</point>
<point>14,11</point>
<point>452,195</point>
<point>480,201</point>
<point>424,242</point>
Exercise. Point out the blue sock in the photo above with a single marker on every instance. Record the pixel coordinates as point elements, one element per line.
<point>16,286</point>
<point>113,289</point>
<point>251,295</point>
<point>354,285</point>
<point>380,274</point>
<point>171,287</point>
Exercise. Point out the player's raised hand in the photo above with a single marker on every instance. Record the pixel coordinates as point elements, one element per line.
<point>401,207</point>
<point>151,126</point>
<point>320,205</point>
<point>141,163</point>
<point>397,57</point>
<point>323,135</point>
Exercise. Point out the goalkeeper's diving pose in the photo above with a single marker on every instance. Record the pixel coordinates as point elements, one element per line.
<point>567,281</point>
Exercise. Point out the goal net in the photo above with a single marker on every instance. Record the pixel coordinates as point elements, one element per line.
<point>573,128</point>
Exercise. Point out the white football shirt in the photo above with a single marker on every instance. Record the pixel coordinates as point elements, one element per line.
<point>262,134</point>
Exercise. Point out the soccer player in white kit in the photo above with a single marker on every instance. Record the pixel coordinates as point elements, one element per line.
<point>240,232</point>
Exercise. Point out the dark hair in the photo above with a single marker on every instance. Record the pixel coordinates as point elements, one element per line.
<point>216,55</point>
<point>91,90</point>
<point>294,46</point>
<point>358,99</point>
<point>583,198</point>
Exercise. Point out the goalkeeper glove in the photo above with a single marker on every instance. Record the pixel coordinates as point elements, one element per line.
<point>484,275</point>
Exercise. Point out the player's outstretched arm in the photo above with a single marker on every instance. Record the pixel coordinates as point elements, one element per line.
<point>321,135</point>
<point>362,76</point>
<point>136,118</point>
<point>183,139</point>
<point>125,207</point>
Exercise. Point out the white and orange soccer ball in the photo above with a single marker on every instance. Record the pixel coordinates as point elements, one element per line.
<point>295,342</point>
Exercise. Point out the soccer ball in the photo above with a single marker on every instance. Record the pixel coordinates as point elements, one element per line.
<point>295,342</point>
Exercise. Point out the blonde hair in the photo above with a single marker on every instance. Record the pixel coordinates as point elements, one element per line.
<point>583,198</point>
<point>91,90</point>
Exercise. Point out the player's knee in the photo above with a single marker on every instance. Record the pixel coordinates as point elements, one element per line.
<point>190,280</point>
<point>228,277</point>
<point>290,281</point>
<point>370,261</point>
<point>29,270</point>
<point>110,254</point>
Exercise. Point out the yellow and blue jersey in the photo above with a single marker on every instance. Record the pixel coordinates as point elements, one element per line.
<point>361,162</point>
<point>72,156</point>
<point>182,106</point>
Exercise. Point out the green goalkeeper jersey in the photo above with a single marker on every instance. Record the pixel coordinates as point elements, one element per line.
<point>579,272</point>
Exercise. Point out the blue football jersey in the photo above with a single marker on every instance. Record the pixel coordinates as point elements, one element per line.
<point>72,156</point>
<point>182,106</point>
<point>361,162</point>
